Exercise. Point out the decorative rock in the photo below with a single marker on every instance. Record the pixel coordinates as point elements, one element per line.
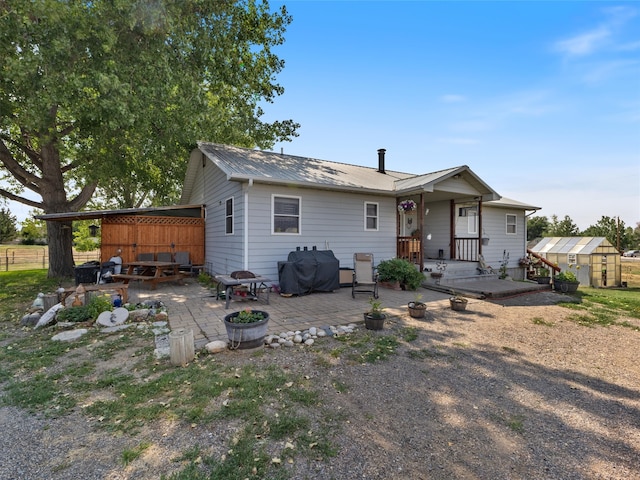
<point>139,315</point>
<point>69,335</point>
<point>313,331</point>
<point>30,319</point>
<point>216,346</point>
<point>309,342</point>
<point>48,316</point>
<point>297,338</point>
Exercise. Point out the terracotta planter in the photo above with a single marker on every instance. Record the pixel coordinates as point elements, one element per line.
<point>374,322</point>
<point>391,285</point>
<point>246,335</point>
<point>417,309</point>
<point>458,304</point>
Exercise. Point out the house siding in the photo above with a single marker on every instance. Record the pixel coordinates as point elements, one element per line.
<point>328,221</point>
<point>436,224</point>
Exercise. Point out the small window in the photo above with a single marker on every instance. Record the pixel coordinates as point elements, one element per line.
<point>511,224</point>
<point>370,216</point>
<point>572,259</point>
<point>286,215</point>
<point>228,217</point>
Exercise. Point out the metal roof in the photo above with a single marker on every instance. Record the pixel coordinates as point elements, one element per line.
<point>510,203</point>
<point>194,211</point>
<point>242,164</point>
<point>577,245</point>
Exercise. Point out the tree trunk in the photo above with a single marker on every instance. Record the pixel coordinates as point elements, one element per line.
<point>60,239</point>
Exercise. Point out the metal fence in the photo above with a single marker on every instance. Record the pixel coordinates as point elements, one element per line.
<point>13,259</point>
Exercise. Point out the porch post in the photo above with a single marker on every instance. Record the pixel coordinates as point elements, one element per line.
<point>480,226</point>
<point>452,229</point>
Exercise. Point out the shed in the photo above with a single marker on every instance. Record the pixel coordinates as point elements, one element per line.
<point>146,230</point>
<point>594,260</point>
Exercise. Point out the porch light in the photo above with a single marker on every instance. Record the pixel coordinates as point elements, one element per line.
<point>93,230</point>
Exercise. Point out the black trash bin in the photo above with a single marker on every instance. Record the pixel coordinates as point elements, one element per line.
<point>87,272</point>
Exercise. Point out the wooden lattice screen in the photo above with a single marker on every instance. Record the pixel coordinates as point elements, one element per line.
<point>135,234</point>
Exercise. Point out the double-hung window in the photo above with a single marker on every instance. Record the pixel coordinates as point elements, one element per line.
<point>511,224</point>
<point>371,216</point>
<point>228,217</point>
<point>286,214</point>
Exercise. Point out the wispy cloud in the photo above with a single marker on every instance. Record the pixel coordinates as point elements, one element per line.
<point>452,98</point>
<point>603,36</point>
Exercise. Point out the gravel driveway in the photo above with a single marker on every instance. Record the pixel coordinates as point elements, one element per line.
<point>509,390</point>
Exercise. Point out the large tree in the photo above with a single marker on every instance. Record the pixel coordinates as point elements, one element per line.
<point>614,230</point>
<point>562,228</point>
<point>113,94</point>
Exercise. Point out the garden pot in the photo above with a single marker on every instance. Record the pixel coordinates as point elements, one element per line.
<point>246,335</point>
<point>391,285</point>
<point>374,322</point>
<point>543,280</point>
<point>417,310</point>
<point>565,287</point>
<point>458,304</point>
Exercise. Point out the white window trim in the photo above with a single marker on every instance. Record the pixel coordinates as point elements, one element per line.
<point>515,224</point>
<point>273,214</point>
<point>572,259</point>
<point>233,214</point>
<point>377,217</point>
<point>472,221</point>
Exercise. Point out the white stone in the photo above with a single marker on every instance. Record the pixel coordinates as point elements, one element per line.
<point>297,339</point>
<point>275,345</point>
<point>288,343</point>
<point>313,331</point>
<point>159,324</point>
<point>321,333</point>
<point>69,335</point>
<point>216,346</point>
<point>49,315</point>
<point>309,342</point>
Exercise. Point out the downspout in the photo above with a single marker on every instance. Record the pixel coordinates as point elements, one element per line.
<point>246,225</point>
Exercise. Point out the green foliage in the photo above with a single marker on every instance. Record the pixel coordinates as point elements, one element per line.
<point>612,229</point>
<point>399,270</point>
<point>113,80</point>
<point>247,316</point>
<point>376,310</point>
<point>74,314</point>
<point>562,228</point>
<point>8,229</point>
<point>82,238</point>
<point>566,276</point>
<point>33,232</point>
<point>536,227</point>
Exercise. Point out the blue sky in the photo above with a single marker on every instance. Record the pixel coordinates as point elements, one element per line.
<point>540,99</point>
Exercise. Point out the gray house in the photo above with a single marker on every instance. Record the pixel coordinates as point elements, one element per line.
<point>262,205</point>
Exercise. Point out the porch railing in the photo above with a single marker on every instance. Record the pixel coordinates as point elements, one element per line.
<point>410,248</point>
<point>467,248</point>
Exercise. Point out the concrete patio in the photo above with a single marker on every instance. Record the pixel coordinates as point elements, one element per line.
<point>190,305</point>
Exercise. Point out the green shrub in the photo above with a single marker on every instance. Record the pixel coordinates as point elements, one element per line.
<point>399,270</point>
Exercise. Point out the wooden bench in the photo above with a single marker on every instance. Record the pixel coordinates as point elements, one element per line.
<point>121,288</point>
<point>127,277</point>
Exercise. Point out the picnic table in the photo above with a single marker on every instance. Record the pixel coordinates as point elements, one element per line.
<point>150,271</point>
<point>255,286</point>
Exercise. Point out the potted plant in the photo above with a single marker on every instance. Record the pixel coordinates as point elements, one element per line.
<point>246,328</point>
<point>566,282</point>
<point>398,274</point>
<point>543,277</point>
<point>417,309</point>
<point>458,302</point>
<point>375,317</point>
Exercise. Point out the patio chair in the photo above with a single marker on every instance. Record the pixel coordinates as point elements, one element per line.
<point>484,268</point>
<point>145,257</point>
<point>365,278</point>
<point>183,259</point>
<point>165,257</point>
<point>106,270</point>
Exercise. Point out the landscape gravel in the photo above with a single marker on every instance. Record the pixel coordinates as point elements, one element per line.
<point>516,389</point>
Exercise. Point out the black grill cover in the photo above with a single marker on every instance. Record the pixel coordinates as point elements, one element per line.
<point>307,271</point>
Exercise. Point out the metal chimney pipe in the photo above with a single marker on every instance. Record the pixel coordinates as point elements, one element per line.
<point>381,160</point>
